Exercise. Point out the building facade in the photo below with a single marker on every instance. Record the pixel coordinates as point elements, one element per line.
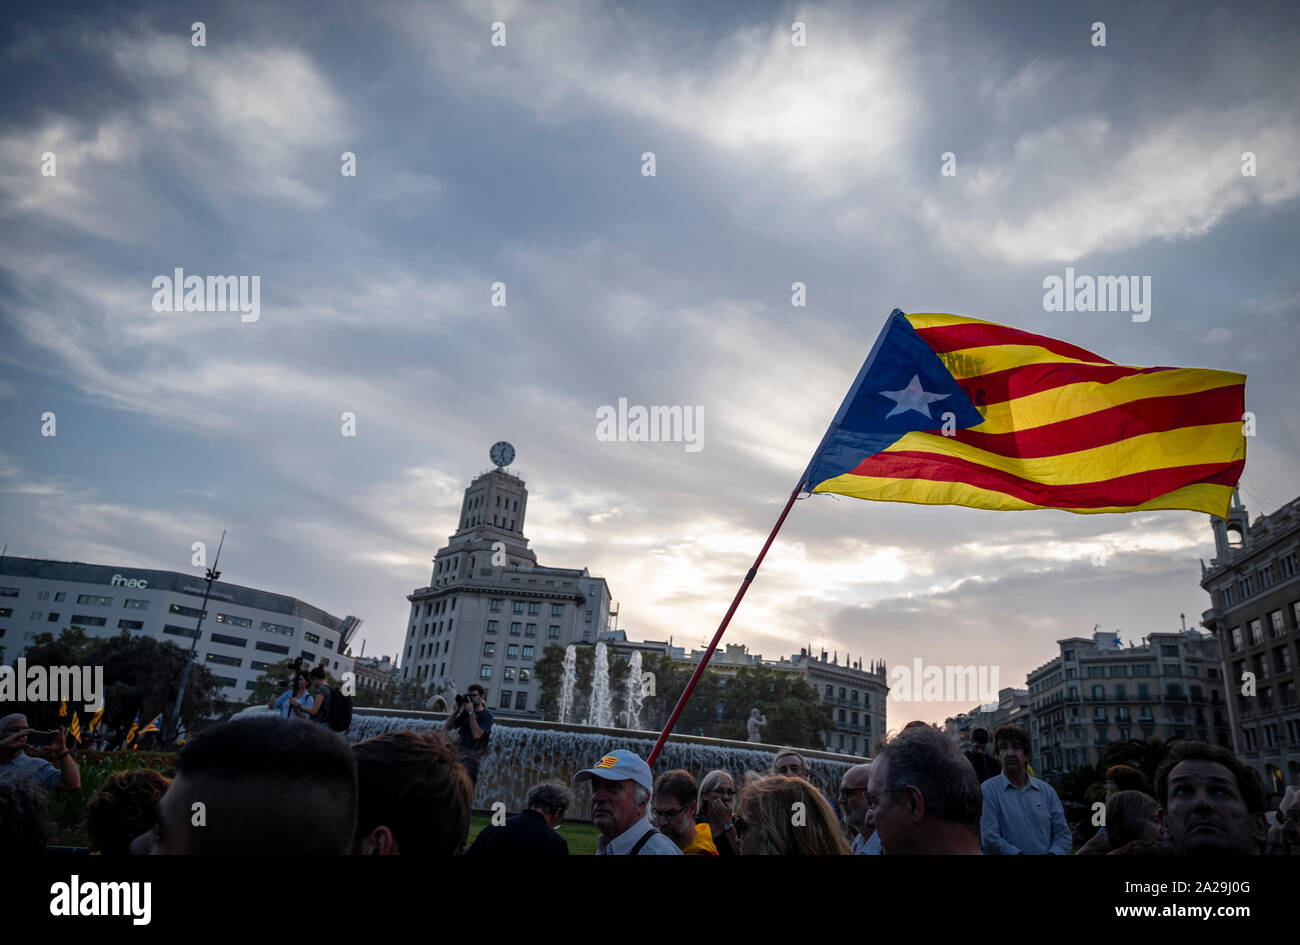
<point>245,631</point>
<point>376,675</point>
<point>1254,587</point>
<point>857,696</point>
<point>1096,691</point>
<point>490,610</point>
<point>1012,708</point>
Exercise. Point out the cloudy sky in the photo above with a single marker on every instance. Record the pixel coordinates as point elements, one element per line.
<point>522,164</point>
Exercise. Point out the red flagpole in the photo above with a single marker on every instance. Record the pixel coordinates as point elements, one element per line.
<point>735,602</point>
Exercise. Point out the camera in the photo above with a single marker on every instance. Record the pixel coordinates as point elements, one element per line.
<point>461,699</point>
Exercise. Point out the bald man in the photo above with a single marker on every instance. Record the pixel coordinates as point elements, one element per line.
<point>16,763</point>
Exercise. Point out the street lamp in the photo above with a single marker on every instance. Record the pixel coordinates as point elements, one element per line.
<point>173,724</point>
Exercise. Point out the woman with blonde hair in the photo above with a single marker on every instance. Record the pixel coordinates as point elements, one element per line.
<point>781,816</point>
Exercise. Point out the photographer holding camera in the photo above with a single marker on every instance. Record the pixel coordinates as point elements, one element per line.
<point>474,721</point>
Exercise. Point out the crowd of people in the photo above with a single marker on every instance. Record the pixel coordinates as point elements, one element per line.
<point>267,784</point>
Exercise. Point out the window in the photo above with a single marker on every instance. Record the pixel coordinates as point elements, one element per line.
<point>1286,565</point>
<point>830,692</point>
<point>130,625</point>
<point>521,700</point>
<point>1256,632</point>
<point>508,674</point>
<point>530,630</point>
<point>534,608</point>
<point>8,592</point>
<point>311,637</point>
<point>557,610</point>
<point>52,618</point>
<point>43,595</point>
<point>517,607</point>
<point>1142,669</point>
<point>1096,671</point>
<point>135,604</point>
<point>271,647</point>
<point>1281,659</point>
<point>1235,634</point>
<point>329,644</point>
<point>184,632</point>
<point>93,599</point>
<point>528,652</point>
<point>309,656</point>
<point>82,620</point>
<point>492,626</point>
<point>514,628</point>
<point>1119,670</point>
<point>489,648</point>
<point>227,639</point>
<point>525,674</point>
<point>512,651</point>
<point>277,628</point>
<point>553,632</point>
<point>494,605</point>
<point>485,671</point>
<point>234,621</point>
<point>223,660</point>
<point>1266,576</point>
<point>505,698</point>
<point>185,611</point>
<point>1173,669</point>
<point>1099,692</point>
<point>225,681</point>
<point>6,611</point>
<point>844,693</point>
<point>1277,628</point>
<point>1167,650</point>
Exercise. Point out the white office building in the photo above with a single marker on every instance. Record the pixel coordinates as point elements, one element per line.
<point>244,632</point>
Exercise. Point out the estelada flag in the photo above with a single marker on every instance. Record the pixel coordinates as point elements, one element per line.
<point>949,410</point>
<point>153,724</point>
<point>131,732</point>
<point>74,728</point>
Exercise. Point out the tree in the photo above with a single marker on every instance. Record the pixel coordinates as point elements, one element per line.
<point>141,674</point>
<point>795,715</point>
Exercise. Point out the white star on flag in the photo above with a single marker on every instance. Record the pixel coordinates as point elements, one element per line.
<point>911,397</point>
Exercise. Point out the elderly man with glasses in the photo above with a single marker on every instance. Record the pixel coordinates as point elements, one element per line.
<point>853,801</point>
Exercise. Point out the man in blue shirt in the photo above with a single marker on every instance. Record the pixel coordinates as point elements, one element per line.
<point>16,763</point>
<point>1022,815</point>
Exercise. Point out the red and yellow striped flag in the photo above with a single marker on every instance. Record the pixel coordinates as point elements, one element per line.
<point>74,728</point>
<point>957,411</point>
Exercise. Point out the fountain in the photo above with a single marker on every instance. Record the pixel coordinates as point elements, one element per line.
<point>600,713</point>
<point>566,684</point>
<point>634,691</point>
<point>524,751</point>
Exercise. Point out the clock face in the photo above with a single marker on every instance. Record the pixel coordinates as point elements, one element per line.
<point>503,454</point>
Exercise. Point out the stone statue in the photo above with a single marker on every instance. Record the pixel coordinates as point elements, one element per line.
<point>754,723</point>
